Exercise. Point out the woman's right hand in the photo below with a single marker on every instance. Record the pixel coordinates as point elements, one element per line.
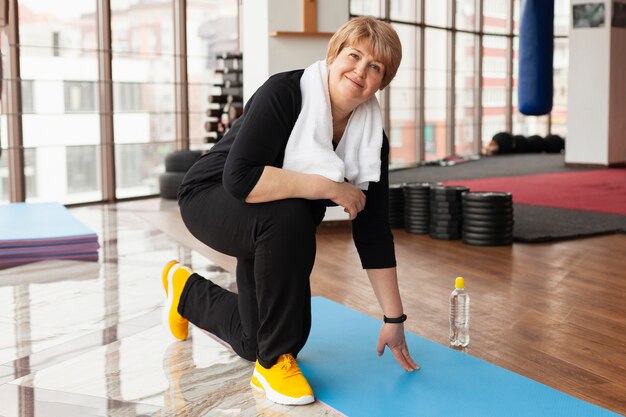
<point>351,198</point>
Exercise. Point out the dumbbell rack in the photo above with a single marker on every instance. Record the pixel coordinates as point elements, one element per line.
<point>226,97</point>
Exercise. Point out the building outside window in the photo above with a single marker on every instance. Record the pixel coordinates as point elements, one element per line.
<point>80,96</point>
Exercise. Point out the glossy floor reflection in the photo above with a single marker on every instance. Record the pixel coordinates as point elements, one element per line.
<point>85,339</point>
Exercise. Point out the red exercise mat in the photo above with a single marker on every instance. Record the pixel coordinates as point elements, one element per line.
<point>602,190</point>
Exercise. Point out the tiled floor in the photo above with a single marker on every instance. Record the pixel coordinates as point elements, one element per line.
<point>85,339</point>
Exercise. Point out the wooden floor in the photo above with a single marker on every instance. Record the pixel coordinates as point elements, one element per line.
<point>553,312</point>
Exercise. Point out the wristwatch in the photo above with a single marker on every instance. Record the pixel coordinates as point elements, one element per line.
<point>396,320</point>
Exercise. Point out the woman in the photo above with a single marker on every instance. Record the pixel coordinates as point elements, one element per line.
<point>261,192</point>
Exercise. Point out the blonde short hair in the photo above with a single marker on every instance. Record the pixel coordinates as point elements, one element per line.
<point>381,37</point>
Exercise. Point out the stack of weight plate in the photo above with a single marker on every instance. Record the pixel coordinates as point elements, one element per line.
<point>417,207</point>
<point>396,205</point>
<point>487,218</point>
<point>446,213</point>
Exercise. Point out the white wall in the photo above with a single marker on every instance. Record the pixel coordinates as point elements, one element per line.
<point>596,128</point>
<point>265,55</point>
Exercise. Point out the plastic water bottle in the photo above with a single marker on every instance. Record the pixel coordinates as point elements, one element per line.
<point>459,315</point>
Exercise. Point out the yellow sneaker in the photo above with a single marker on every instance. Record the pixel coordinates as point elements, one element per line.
<point>165,272</point>
<point>283,383</point>
<point>174,278</point>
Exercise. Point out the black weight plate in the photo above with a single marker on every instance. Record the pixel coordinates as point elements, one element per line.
<point>416,231</point>
<point>445,236</point>
<point>417,225</point>
<point>445,223</point>
<point>421,184</point>
<point>449,189</point>
<point>417,192</point>
<point>446,204</point>
<point>488,236</point>
<point>417,203</point>
<point>445,199</point>
<point>447,217</point>
<point>487,196</point>
<point>417,196</point>
<point>416,188</point>
<point>451,211</point>
<point>417,207</point>
<point>445,230</point>
<point>480,242</point>
<point>487,204</point>
<point>416,213</point>
<point>488,223</point>
<point>415,220</point>
<point>483,229</point>
<point>496,211</point>
<point>495,218</point>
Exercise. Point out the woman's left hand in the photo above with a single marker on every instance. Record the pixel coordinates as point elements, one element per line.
<point>392,335</point>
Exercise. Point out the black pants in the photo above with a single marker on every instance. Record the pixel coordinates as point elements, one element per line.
<point>274,244</point>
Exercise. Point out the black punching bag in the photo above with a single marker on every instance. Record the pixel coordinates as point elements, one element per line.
<point>536,53</point>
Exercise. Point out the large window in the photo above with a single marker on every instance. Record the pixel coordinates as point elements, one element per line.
<point>494,86</point>
<point>211,31</point>
<point>59,72</point>
<point>435,93</point>
<point>144,124</point>
<point>64,77</point>
<point>465,97</point>
<point>483,104</point>
<point>404,95</point>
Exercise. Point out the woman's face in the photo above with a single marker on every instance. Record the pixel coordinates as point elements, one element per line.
<point>355,75</point>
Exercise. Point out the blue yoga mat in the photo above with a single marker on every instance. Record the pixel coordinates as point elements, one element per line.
<point>341,364</point>
<point>32,222</point>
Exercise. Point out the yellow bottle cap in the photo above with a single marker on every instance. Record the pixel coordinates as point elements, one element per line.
<point>459,283</point>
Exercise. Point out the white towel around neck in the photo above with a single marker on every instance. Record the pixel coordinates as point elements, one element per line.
<point>310,148</point>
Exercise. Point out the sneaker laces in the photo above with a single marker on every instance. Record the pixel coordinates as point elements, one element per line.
<point>289,365</point>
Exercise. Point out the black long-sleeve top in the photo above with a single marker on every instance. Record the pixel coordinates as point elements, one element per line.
<point>259,138</point>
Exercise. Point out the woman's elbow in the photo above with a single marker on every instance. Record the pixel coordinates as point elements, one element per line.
<point>234,187</point>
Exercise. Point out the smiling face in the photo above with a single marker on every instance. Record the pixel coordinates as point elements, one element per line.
<point>354,76</point>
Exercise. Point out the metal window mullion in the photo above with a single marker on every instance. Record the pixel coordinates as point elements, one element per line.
<point>509,69</point>
<point>181,93</point>
<point>421,114</point>
<point>478,84</point>
<point>105,100</point>
<point>17,181</point>
<point>451,80</point>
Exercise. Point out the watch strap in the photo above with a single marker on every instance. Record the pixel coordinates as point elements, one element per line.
<point>396,320</point>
